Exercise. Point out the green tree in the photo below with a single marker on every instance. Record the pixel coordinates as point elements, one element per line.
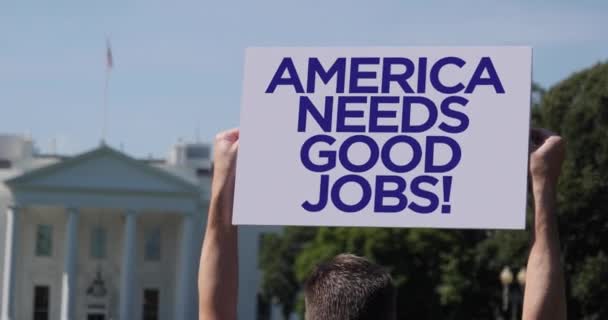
<point>277,257</point>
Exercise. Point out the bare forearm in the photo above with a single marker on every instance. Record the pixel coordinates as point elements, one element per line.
<point>218,273</point>
<point>544,293</point>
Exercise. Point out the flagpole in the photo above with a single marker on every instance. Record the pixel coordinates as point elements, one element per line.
<point>105,106</point>
<point>109,65</point>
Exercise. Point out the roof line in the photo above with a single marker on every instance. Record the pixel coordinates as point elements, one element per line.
<point>103,149</point>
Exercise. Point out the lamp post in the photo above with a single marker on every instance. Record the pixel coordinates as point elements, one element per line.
<point>521,277</point>
<point>512,296</point>
<point>506,278</point>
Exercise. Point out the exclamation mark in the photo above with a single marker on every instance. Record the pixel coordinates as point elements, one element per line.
<point>447,188</point>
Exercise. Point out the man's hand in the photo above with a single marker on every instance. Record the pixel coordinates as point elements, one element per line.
<point>224,172</point>
<point>218,270</point>
<point>224,160</point>
<point>546,159</point>
<point>544,295</point>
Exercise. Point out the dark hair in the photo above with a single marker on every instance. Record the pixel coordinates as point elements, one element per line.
<point>349,288</point>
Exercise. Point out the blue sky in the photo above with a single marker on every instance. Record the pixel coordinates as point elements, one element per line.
<point>178,64</point>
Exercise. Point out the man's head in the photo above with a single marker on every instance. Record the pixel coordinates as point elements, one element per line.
<point>349,288</point>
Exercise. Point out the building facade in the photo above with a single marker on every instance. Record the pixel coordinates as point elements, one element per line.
<point>102,235</point>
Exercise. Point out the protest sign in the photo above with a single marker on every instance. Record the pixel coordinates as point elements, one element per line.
<point>392,137</point>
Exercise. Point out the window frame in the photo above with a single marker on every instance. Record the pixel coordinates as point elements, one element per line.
<point>46,312</point>
<point>150,235</point>
<point>98,248</point>
<point>156,307</point>
<point>38,248</point>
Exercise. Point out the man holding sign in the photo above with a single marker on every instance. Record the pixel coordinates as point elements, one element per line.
<point>382,137</point>
<point>350,287</point>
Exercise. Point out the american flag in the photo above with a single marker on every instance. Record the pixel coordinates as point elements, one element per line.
<point>109,59</point>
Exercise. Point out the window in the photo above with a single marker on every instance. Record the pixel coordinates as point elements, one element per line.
<point>44,240</point>
<point>5,164</point>
<point>197,152</point>
<point>41,303</point>
<point>202,172</point>
<point>152,243</point>
<point>150,305</point>
<point>98,242</point>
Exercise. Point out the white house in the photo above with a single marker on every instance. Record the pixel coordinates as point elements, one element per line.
<point>102,235</point>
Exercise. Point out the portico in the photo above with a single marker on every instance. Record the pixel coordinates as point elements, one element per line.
<point>128,199</point>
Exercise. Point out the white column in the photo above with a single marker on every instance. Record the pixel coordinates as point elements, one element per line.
<point>186,275</point>
<point>68,278</point>
<point>127,271</point>
<point>8,276</point>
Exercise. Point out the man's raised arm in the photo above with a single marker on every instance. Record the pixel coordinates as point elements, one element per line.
<point>218,269</point>
<point>544,296</point>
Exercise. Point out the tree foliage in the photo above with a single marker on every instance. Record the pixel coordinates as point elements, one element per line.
<point>277,257</point>
<point>453,274</point>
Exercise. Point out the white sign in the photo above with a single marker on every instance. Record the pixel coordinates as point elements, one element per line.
<point>387,137</point>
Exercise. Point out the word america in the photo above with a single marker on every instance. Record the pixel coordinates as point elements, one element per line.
<point>385,75</point>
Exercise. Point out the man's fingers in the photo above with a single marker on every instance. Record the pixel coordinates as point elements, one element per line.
<point>231,135</point>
